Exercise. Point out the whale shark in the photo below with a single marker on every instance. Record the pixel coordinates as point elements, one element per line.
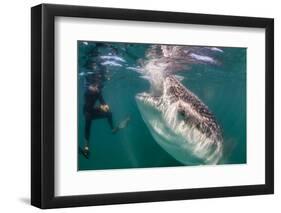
<point>181,123</point>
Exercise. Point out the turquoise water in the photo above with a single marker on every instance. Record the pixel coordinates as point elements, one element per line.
<point>221,87</point>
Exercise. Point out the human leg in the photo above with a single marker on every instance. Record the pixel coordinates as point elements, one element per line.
<point>99,114</point>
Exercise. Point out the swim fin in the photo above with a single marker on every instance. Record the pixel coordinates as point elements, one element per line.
<point>84,152</point>
<point>123,124</point>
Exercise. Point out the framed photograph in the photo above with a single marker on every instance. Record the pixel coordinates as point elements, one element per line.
<point>139,106</point>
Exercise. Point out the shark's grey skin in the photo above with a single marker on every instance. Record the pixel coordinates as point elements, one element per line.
<point>182,124</point>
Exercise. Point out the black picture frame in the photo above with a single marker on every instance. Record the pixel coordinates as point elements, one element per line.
<point>43,105</point>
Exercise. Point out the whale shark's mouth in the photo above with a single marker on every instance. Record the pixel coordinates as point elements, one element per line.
<point>148,99</point>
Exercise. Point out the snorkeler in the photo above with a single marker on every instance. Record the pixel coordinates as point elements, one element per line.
<point>91,112</point>
<point>93,93</point>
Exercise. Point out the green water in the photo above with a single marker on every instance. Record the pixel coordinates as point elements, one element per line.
<point>222,88</point>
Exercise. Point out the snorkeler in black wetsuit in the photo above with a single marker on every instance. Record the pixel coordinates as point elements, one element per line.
<point>92,94</point>
<point>91,112</point>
